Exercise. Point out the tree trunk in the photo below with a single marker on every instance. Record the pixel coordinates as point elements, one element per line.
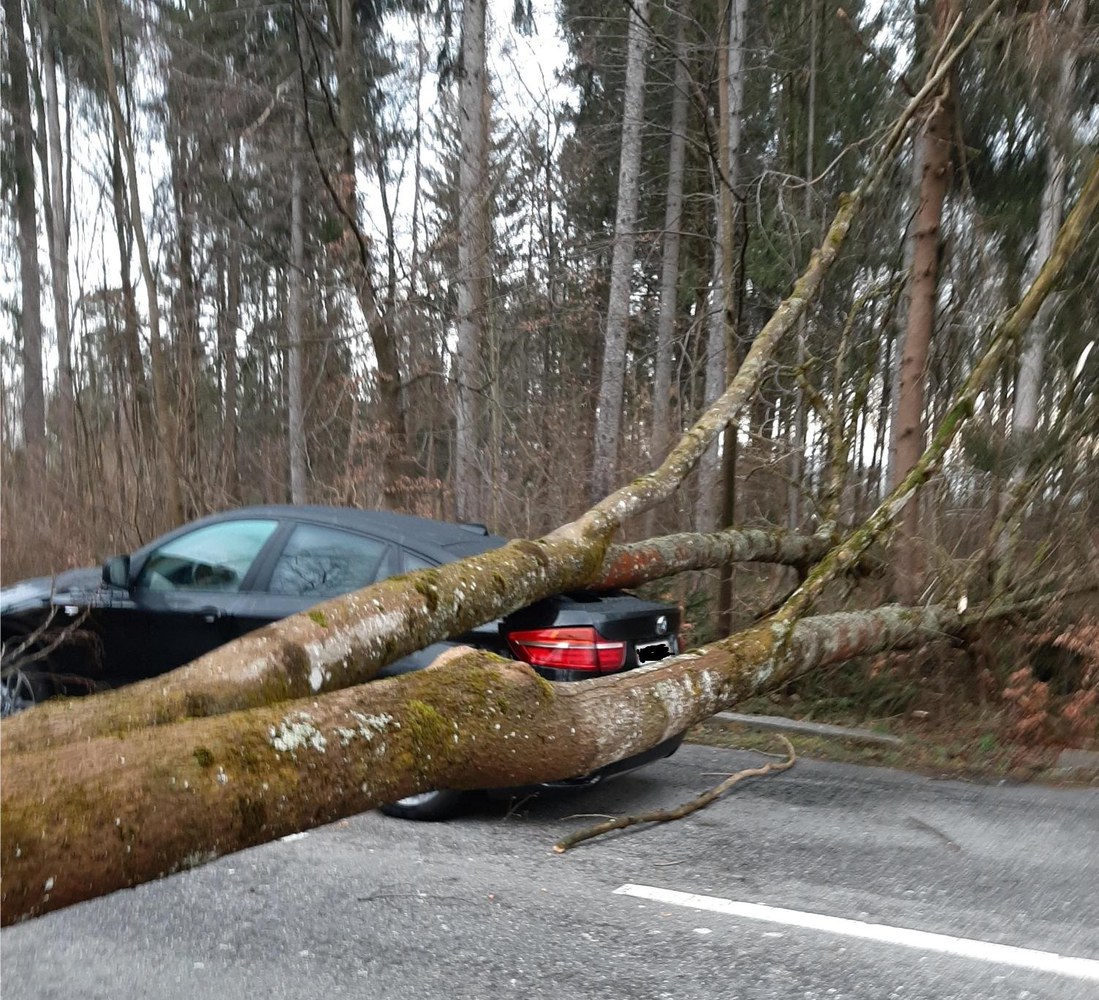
<point>85,819</point>
<point>923,287</point>
<point>473,262</point>
<point>294,367</point>
<point>141,404</point>
<point>30,325</point>
<point>717,473</point>
<point>797,487</point>
<point>59,234</point>
<point>186,308</point>
<point>613,378</point>
<point>673,224</point>
<point>709,470</point>
<point>352,252</point>
<point>327,648</point>
<point>1031,363</point>
<point>657,558</point>
<point>228,350</point>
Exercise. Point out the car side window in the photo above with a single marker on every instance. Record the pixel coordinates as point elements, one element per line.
<point>391,564</point>
<point>326,562</point>
<point>413,562</point>
<point>216,557</point>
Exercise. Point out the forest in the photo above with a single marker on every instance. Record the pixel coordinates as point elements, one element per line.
<point>589,273</point>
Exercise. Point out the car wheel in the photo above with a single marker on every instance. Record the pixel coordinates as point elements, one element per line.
<point>427,807</point>
<point>20,690</point>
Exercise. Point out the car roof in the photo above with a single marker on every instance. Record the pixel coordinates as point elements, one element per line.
<point>419,533</point>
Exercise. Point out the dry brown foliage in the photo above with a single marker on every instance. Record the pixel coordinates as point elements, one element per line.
<point>1064,707</point>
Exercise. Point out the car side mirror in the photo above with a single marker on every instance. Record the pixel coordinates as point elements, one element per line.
<point>116,572</point>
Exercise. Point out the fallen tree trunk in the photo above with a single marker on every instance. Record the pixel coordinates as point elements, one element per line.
<point>337,644</point>
<point>216,683</point>
<point>84,819</point>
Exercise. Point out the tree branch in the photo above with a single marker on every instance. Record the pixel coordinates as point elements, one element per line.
<point>668,815</point>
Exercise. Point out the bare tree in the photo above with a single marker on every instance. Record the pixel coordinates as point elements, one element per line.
<point>1059,111</point>
<point>673,224</point>
<point>934,156</point>
<point>59,227</point>
<point>19,107</point>
<point>613,378</point>
<point>473,258</point>
<point>165,419</point>
<point>294,369</point>
<point>714,486</point>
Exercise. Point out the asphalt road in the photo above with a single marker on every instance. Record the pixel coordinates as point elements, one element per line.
<point>373,907</point>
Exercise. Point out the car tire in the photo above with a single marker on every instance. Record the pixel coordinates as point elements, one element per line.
<point>427,807</point>
<point>22,689</point>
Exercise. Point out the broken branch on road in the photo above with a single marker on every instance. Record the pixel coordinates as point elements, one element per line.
<point>669,815</point>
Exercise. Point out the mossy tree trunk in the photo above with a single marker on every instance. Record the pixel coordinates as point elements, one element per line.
<point>84,819</point>
<point>346,641</point>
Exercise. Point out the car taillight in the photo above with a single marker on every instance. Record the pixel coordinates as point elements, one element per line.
<point>580,648</point>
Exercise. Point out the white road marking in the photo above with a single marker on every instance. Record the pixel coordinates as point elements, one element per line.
<point>985,951</point>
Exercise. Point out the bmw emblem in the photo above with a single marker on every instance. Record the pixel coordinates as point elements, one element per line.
<point>662,625</point>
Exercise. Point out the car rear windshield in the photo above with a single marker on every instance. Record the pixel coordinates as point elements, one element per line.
<point>474,546</point>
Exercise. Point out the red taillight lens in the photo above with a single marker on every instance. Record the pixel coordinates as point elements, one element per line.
<point>581,648</point>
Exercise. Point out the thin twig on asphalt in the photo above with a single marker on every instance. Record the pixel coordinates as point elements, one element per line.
<point>667,815</point>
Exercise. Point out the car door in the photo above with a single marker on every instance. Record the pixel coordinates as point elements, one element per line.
<point>185,598</point>
<point>315,562</point>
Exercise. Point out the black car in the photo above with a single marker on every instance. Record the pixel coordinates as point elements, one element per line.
<point>210,581</point>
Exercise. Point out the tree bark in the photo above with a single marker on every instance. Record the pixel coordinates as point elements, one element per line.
<point>186,308</point>
<point>673,224</point>
<point>352,251</point>
<point>923,286</point>
<point>141,404</point>
<point>613,377</point>
<point>796,486</point>
<point>227,347</point>
<point>714,485</point>
<point>473,261</point>
<point>59,233</point>
<point>279,653</point>
<point>709,467</point>
<point>294,368</point>
<point>657,558</point>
